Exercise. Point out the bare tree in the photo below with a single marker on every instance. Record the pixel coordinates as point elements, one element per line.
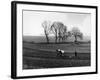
<point>77,33</point>
<point>64,32</point>
<point>46,25</point>
<point>57,29</point>
<point>54,30</point>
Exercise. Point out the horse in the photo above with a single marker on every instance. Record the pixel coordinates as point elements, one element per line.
<point>60,52</point>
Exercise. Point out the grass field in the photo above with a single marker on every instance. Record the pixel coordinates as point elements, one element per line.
<point>42,55</point>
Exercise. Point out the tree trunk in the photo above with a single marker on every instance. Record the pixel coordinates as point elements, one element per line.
<point>59,37</point>
<point>56,37</point>
<point>47,38</point>
<point>75,39</point>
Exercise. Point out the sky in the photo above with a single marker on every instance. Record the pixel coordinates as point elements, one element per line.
<point>32,21</point>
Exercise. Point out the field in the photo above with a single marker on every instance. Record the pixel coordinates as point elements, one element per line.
<point>43,55</point>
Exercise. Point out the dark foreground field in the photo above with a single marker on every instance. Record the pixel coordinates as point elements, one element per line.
<point>42,55</point>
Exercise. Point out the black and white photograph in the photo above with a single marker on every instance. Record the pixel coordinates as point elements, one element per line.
<point>54,39</point>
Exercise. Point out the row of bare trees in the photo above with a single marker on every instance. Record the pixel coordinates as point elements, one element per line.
<point>60,31</point>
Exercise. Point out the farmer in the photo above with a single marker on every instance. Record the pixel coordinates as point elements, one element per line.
<point>60,52</point>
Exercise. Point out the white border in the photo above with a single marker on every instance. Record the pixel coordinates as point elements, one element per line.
<point>21,72</point>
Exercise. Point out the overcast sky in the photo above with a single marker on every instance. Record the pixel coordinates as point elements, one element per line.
<point>32,21</point>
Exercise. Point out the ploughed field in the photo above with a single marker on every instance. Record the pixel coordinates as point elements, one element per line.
<point>42,55</point>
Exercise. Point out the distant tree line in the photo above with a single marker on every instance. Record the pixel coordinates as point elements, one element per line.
<point>60,31</point>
